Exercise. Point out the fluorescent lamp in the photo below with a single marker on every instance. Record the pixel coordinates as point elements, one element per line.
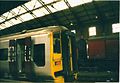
<point>6,14</point>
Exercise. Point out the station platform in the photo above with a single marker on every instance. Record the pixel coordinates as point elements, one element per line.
<point>82,77</point>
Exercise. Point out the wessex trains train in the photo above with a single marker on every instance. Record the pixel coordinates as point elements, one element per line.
<point>47,51</point>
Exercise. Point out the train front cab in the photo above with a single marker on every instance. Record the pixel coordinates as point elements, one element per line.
<point>60,55</point>
<point>62,49</point>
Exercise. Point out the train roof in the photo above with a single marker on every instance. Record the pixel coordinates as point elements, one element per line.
<point>112,36</point>
<point>49,29</point>
<point>26,33</point>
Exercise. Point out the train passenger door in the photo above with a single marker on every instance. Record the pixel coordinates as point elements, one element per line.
<point>66,54</point>
<point>20,51</point>
<point>57,53</point>
<point>69,53</point>
<point>23,53</point>
<point>16,56</point>
<point>73,52</point>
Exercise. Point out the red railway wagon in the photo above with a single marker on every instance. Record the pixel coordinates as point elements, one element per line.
<point>105,47</point>
<point>103,52</point>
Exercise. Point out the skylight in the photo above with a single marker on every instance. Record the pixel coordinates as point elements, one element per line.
<point>7,24</point>
<point>16,10</point>
<point>6,14</point>
<point>116,27</point>
<point>2,19</point>
<point>78,2</point>
<point>2,26</point>
<point>10,15</point>
<point>92,31</point>
<point>58,6</point>
<point>27,17</point>
<point>48,1</point>
<point>39,12</point>
<point>22,10</point>
<point>15,21</point>
<point>37,4</point>
<point>37,9</point>
<point>32,4</point>
<point>44,11</point>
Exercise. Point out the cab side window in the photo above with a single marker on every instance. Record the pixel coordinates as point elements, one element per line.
<point>56,42</point>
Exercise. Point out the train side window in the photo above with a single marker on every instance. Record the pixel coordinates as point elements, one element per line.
<point>4,54</point>
<point>39,54</point>
<point>56,42</point>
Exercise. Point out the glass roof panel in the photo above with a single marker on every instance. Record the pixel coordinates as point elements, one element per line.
<point>27,17</point>
<point>48,1</point>
<point>2,19</point>
<point>78,2</point>
<point>16,10</point>
<point>2,26</point>
<point>15,21</point>
<point>30,4</point>
<point>22,10</point>
<point>52,8</point>
<point>60,5</point>
<point>10,15</point>
<point>7,24</point>
<point>44,11</point>
<point>38,13</point>
<point>6,14</point>
<point>37,4</point>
